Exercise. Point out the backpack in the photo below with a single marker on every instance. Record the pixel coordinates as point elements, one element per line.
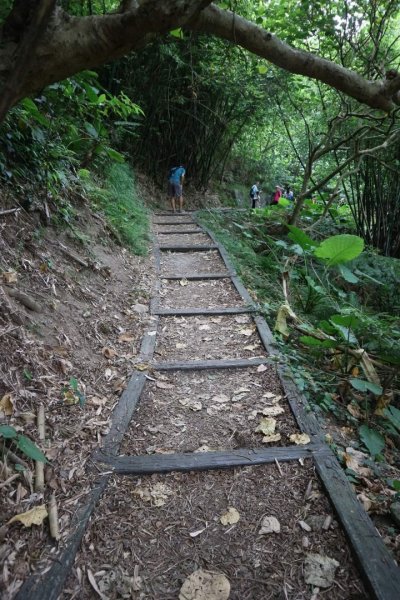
<point>172,171</point>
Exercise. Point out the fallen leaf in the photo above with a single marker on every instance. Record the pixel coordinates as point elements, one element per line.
<point>70,398</point>
<point>354,460</point>
<point>261,368</point>
<point>194,534</point>
<point>320,570</point>
<point>273,411</point>
<point>142,366</point>
<point>251,347</point>
<point>205,585</point>
<point>246,331</point>
<point>194,405</point>
<point>269,525</point>
<point>94,585</point>
<point>355,411</point>
<point>125,337</point>
<point>268,395</point>
<point>183,282</point>
<point>300,438</point>
<point>35,516</point>
<point>7,405</point>
<point>10,276</point>
<point>203,448</point>
<point>266,426</point>
<point>163,385</point>
<point>275,437</point>
<point>180,346</point>
<point>108,352</point>
<point>230,517</point>
<point>365,501</point>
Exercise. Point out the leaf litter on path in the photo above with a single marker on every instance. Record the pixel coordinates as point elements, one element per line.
<point>205,585</point>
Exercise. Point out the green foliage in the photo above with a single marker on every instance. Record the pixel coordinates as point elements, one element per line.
<point>366,386</point>
<point>124,210</point>
<point>340,248</point>
<point>372,440</point>
<point>23,443</point>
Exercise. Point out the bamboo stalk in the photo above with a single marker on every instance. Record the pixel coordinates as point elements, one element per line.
<point>39,476</point>
<point>41,422</point>
<point>53,518</point>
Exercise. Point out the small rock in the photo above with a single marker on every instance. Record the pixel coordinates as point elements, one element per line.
<point>316,522</point>
<point>395,512</point>
<point>140,308</point>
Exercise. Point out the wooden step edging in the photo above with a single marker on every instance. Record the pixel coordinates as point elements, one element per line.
<point>196,248</point>
<point>189,312</point>
<point>199,276</point>
<point>177,232</point>
<point>202,461</point>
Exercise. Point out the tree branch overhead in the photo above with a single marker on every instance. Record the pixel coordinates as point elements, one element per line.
<point>70,44</point>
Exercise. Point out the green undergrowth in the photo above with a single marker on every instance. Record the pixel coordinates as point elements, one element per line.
<point>118,199</point>
<point>341,311</point>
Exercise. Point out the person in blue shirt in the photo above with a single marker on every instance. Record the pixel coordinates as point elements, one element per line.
<point>175,183</point>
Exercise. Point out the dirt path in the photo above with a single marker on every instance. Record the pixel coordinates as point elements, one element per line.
<point>217,479</point>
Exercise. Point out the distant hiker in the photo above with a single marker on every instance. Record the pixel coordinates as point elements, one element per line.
<point>276,195</point>
<point>175,181</point>
<point>254,194</point>
<point>290,195</point>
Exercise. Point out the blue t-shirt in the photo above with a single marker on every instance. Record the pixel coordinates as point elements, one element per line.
<point>175,177</point>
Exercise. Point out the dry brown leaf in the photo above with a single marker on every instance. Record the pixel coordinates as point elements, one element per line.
<point>109,352</point>
<point>320,570</point>
<point>230,517</point>
<point>355,411</point>
<point>125,337</point>
<point>205,585</point>
<point>180,346</point>
<point>163,385</point>
<point>183,282</point>
<point>273,411</point>
<point>35,516</point>
<point>269,525</point>
<point>246,331</point>
<point>383,402</point>
<point>354,460</point>
<point>10,277</point>
<point>275,437</point>
<point>268,395</point>
<point>266,426</point>
<point>7,405</point>
<point>301,439</point>
<point>365,501</point>
<point>142,366</point>
<point>261,368</point>
<point>251,347</point>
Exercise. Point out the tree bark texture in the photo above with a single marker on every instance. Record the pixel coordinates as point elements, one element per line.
<point>70,44</point>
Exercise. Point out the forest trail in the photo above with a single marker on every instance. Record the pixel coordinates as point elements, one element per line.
<point>202,471</point>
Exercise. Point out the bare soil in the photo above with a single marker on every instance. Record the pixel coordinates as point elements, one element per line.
<point>207,410</point>
<point>205,338</point>
<point>183,263</point>
<point>86,334</point>
<point>184,239</point>
<point>200,294</point>
<point>150,534</point>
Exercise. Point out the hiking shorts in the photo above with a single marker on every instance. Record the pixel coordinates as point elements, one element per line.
<point>174,190</point>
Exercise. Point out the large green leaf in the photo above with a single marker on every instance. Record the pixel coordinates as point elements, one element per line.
<point>340,248</point>
<point>347,274</point>
<point>301,238</point>
<point>393,414</point>
<point>316,343</point>
<point>30,449</point>
<point>350,321</point>
<point>372,440</point>
<point>366,386</point>
<point>7,431</point>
